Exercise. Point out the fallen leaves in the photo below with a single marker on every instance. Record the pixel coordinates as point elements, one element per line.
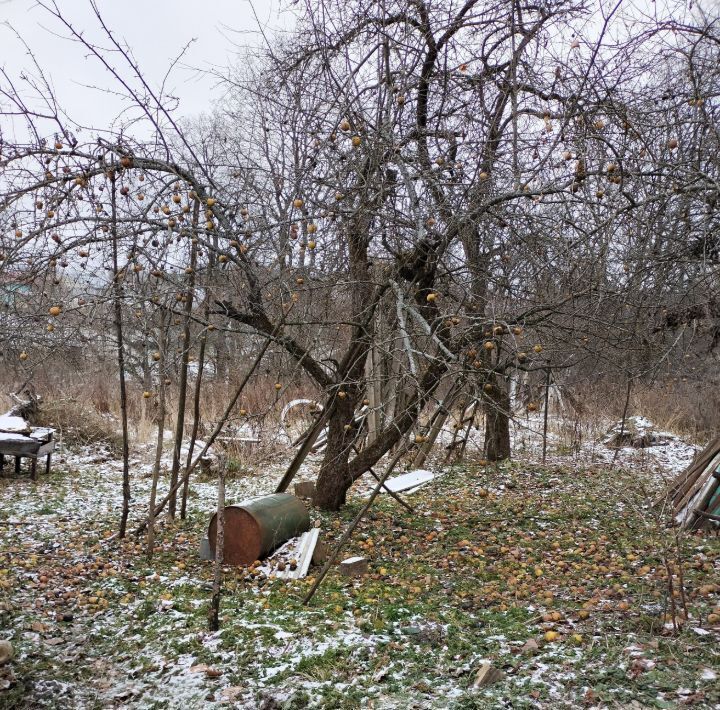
<point>209,671</point>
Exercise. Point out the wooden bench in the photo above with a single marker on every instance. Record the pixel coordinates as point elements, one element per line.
<point>37,443</point>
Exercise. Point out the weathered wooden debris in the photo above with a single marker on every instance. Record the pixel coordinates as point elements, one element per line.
<point>410,481</point>
<point>354,566</point>
<point>487,675</point>
<point>694,495</point>
<point>6,652</point>
<point>206,552</point>
<point>301,557</point>
<point>254,528</point>
<point>320,553</point>
<point>305,489</point>
<point>636,432</point>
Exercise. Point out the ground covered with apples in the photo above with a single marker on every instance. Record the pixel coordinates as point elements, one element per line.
<point>556,575</point>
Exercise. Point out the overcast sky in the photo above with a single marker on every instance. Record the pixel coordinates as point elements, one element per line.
<point>155,30</point>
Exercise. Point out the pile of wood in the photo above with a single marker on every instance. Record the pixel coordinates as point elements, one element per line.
<point>695,493</point>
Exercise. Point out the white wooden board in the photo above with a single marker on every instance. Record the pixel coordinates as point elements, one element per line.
<point>8,438</point>
<point>13,424</point>
<point>410,481</point>
<point>304,548</point>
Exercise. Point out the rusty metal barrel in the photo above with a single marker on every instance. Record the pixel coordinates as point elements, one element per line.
<point>256,527</point>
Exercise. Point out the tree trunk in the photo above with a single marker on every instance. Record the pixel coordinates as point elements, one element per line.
<point>162,347</point>
<point>214,611</point>
<point>497,421</point>
<point>332,489</point>
<point>334,478</point>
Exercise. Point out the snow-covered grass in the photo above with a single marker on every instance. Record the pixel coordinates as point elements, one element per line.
<point>492,557</point>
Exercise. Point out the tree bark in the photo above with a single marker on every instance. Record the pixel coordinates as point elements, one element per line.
<point>214,611</point>
<point>497,421</point>
<point>162,347</point>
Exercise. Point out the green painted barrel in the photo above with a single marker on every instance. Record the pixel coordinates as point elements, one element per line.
<point>254,528</point>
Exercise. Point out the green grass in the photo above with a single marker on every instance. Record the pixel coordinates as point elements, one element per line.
<point>470,576</point>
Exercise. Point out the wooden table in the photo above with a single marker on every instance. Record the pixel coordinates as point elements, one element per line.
<point>39,442</point>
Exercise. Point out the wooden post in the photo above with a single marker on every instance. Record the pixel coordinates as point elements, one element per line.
<point>118,295</point>
<point>214,613</point>
<point>545,413</point>
<point>196,410</point>
<point>372,390</point>
<point>466,437</point>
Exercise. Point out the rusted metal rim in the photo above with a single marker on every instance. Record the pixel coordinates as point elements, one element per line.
<point>243,537</point>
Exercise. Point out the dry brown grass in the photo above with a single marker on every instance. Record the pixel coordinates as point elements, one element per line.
<point>84,405</point>
<point>688,409</point>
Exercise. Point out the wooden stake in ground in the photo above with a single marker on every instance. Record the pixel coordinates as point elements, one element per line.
<point>628,392</point>
<point>468,430</point>
<point>346,536</point>
<point>545,413</point>
<point>214,612</point>
<point>118,296</point>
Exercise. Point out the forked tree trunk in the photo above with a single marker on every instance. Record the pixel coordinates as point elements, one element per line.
<point>334,478</point>
<point>333,483</point>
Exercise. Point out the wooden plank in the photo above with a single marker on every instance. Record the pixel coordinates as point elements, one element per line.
<point>14,438</point>
<point>304,549</point>
<point>12,424</point>
<point>410,481</point>
<point>18,445</point>
<point>25,446</point>
<point>41,433</point>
